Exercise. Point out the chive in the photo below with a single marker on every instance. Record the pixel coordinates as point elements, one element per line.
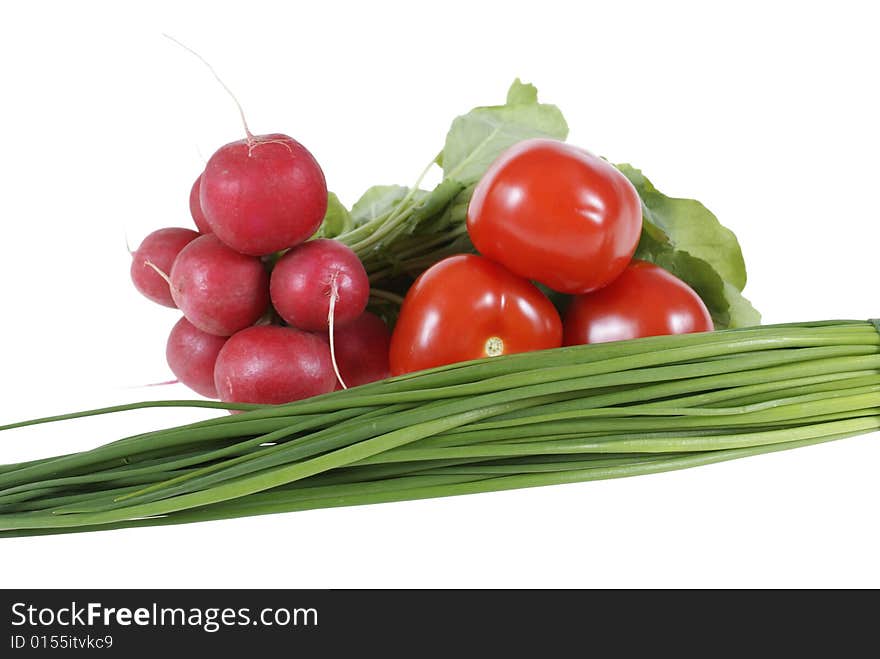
<point>281,502</point>
<point>566,415</point>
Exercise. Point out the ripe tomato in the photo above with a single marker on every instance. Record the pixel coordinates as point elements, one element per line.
<point>467,307</point>
<point>645,300</point>
<point>556,214</point>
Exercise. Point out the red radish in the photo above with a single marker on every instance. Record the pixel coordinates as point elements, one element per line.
<point>263,194</point>
<point>156,255</point>
<point>273,365</point>
<point>195,207</point>
<point>362,350</point>
<point>219,290</point>
<point>191,354</point>
<point>309,277</point>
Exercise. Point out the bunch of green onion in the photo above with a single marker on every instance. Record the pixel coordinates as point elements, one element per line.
<point>558,416</point>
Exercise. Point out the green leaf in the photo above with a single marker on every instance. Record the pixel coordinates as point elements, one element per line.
<point>522,93</point>
<point>337,219</point>
<point>477,138</point>
<point>376,202</point>
<point>690,227</point>
<point>741,313</point>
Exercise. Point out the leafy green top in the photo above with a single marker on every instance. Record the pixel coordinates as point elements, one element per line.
<point>477,138</point>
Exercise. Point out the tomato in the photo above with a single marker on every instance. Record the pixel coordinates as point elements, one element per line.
<point>467,307</point>
<point>556,214</point>
<point>645,300</point>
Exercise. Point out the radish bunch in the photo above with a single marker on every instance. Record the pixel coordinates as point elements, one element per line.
<point>269,316</point>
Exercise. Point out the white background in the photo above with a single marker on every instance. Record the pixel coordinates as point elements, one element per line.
<point>766,112</point>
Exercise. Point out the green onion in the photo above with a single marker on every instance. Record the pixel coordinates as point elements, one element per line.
<point>558,416</point>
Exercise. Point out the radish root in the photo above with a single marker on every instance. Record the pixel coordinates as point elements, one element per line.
<point>154,384</point>
<point>257,141</point>
<point>158,270</point>
<point>334,296</point>
<point>250,136</point>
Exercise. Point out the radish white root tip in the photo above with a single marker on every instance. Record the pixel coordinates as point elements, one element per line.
<point>154,384</point>
<point>158,270</point>
<point>334,296</point>
<point>247,130</point>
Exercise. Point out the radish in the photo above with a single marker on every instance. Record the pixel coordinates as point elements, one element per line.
<point>219,290</point>
<point>314,276</point>
<point>272,365</point>
<point>362,350</point>
<point>191,355</point>
<point>263,194</point>
<point>195,207</point>
<point>319,285</point>
<point>153,259</point>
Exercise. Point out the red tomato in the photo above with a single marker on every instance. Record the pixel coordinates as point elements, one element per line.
<point>467,307</point>
<point>556,214</point>
<point>645,300</point>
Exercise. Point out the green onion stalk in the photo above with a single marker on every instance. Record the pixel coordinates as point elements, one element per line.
<point>559,416</point>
